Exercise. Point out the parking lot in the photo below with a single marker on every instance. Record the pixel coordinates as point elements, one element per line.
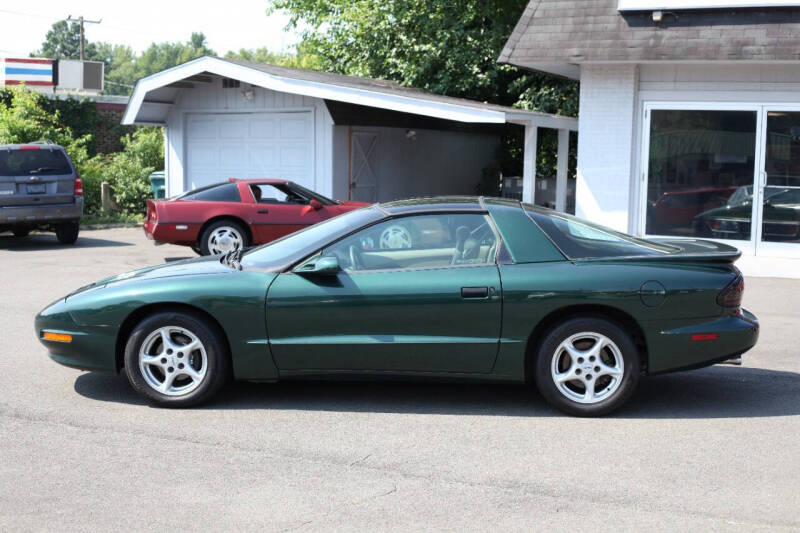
<point>716,448</point>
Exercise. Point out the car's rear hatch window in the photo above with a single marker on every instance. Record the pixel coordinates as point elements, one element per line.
<point>35,176</point>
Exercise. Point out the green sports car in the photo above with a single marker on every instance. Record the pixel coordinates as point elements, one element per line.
<point>445,288</point>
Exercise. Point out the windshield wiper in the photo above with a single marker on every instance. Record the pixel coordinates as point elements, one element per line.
<point>42,169</point>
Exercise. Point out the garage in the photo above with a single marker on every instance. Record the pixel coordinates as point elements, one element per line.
<point>344,137</point>
<point>249,145</point>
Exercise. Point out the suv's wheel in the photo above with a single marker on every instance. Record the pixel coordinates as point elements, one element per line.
<point>176,359</point>
<point>67,232</point>
<point>587,366</point>
<point>21,232</point>
<point>223,236</point>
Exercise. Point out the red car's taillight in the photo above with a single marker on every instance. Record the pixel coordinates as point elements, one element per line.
<point>78,186</point>
<point>731,296</point>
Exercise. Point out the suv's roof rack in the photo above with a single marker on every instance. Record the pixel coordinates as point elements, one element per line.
<point>42,141</point>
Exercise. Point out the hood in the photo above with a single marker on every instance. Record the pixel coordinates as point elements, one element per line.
<point>188,267</point>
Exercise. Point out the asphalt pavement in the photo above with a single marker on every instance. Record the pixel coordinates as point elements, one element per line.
<point>717,448</point>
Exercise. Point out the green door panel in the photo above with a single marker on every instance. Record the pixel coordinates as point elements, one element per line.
<point>403,320</point>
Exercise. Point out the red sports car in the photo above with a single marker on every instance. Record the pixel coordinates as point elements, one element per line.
<point>238,213</point>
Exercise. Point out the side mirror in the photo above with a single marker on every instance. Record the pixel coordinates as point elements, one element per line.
<point>316,204</point>
<point>321,266</point>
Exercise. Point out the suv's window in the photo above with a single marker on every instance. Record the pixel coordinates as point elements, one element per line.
<point>221,192</point>
<point>43,162</point>
<point>421,241</point>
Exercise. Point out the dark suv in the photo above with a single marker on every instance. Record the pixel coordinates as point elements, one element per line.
<point>39,189</point>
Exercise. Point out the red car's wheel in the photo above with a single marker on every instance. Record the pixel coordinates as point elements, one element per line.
<point>223,236</point>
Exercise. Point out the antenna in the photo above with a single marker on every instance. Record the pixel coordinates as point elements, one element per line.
<point>81,21</point>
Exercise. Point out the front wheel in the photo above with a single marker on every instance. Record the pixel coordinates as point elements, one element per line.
<point>176,359</point>
<point>67,232</point>
<point>587,366</point>
<point>21,232</point>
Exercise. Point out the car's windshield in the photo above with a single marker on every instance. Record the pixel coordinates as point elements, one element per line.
<point>283,252</point>
<point>579,239</point>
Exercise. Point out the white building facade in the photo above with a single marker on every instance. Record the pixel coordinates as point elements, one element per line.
<point>689,118</point>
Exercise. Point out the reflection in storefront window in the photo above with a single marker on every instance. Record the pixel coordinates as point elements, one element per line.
<point>700,173</point>
<point>781,218</point>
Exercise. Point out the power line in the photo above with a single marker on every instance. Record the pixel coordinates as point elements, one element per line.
<point>83,21</point>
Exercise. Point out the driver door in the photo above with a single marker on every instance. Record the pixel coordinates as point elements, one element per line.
<point>414,294</point>
<point>277,212</point>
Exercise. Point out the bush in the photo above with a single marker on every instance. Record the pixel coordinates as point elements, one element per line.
<point>129,182</point>
<point>92,176</point>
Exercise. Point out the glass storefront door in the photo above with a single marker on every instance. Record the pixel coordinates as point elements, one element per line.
<point>726,172</point>
<point>780,184</point>
<point>701,165</point>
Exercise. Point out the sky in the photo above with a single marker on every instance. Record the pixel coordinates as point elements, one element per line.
<point>227,25</point>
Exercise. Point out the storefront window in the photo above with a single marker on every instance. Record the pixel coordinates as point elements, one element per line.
<point>700,173</point>
<point>781,201</point>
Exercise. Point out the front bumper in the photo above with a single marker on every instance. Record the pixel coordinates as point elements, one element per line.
<point>672,348</point>
<point>41,214</point>
<point>91,348</point>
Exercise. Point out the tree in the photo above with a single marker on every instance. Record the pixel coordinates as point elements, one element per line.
<point>301,58</point>
<point>447,47</point>
<point>62,41</point>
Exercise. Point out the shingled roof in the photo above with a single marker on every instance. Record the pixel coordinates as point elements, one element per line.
<point>556,35</point>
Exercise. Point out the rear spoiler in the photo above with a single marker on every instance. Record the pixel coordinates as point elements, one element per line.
<point>690,251</point>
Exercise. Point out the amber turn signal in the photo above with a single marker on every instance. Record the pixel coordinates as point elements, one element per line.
<point>58,337</point>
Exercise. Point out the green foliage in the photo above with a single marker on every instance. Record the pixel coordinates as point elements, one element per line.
<point>302,58</point>
<point>92,176</point>
<point>445,46</point>
<point>129,182</point>
<point>24,118</point>
<point>62,41</point>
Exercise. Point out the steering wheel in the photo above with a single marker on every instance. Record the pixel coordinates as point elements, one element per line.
<point>355,258</point>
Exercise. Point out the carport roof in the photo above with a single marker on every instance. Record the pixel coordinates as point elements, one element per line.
<point>351,89</point>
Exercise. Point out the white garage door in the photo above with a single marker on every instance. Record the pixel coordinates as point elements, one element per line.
<point>249,145</point>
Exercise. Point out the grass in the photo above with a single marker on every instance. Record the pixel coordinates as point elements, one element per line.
<point>111,218</point>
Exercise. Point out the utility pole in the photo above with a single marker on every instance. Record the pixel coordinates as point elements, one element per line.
<point>81,20</point>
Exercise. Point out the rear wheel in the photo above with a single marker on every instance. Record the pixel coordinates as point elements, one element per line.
<point>223,236</point>
<point>21,232</point>
<point>67,232</point>
<point>587,366</point>
<point>176,359</point>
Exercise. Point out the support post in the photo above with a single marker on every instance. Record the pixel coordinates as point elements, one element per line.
<point>529,163</point>
<point>561,172</point>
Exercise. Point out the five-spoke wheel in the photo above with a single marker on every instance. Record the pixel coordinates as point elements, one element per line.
<point>176,358</point>
<point>587,366</point>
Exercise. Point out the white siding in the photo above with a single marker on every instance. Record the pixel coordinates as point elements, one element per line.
<point>212,98</point>
<point>606,144</point>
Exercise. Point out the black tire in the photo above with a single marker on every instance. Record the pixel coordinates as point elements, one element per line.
<point>21,232</point>
<point>216,366</point>
<point>196,249</point>
<point>616,392</point>
<point>204,237</point>
<point>67,232</point>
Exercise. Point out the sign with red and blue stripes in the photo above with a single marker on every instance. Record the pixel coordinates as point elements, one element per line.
<point>29,71</point>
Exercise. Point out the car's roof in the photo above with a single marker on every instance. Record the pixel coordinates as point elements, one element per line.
<point>259,180</point>
<point>37,144</point>
<point>442,203</point>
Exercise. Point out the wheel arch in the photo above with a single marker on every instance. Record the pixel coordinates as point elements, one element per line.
<point>144,311</point>
<point>605,312</point>
<point>232,218</point>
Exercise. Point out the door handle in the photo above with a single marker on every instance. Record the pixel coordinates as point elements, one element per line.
<point>474,292</point>
<point>263,211</point>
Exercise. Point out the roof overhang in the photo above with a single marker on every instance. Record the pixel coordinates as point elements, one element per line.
<point>142,111</point>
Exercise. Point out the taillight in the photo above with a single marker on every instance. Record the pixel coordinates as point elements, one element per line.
<point>78,186</point>
<point>731,296</point>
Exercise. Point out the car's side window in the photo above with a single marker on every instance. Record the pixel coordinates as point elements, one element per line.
<point>419,241</point>
<point>267,193</point>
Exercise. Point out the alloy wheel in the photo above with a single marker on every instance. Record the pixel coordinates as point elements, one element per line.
<point>224,239</point>
<point>587,367</point>
<point>173,361</point>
